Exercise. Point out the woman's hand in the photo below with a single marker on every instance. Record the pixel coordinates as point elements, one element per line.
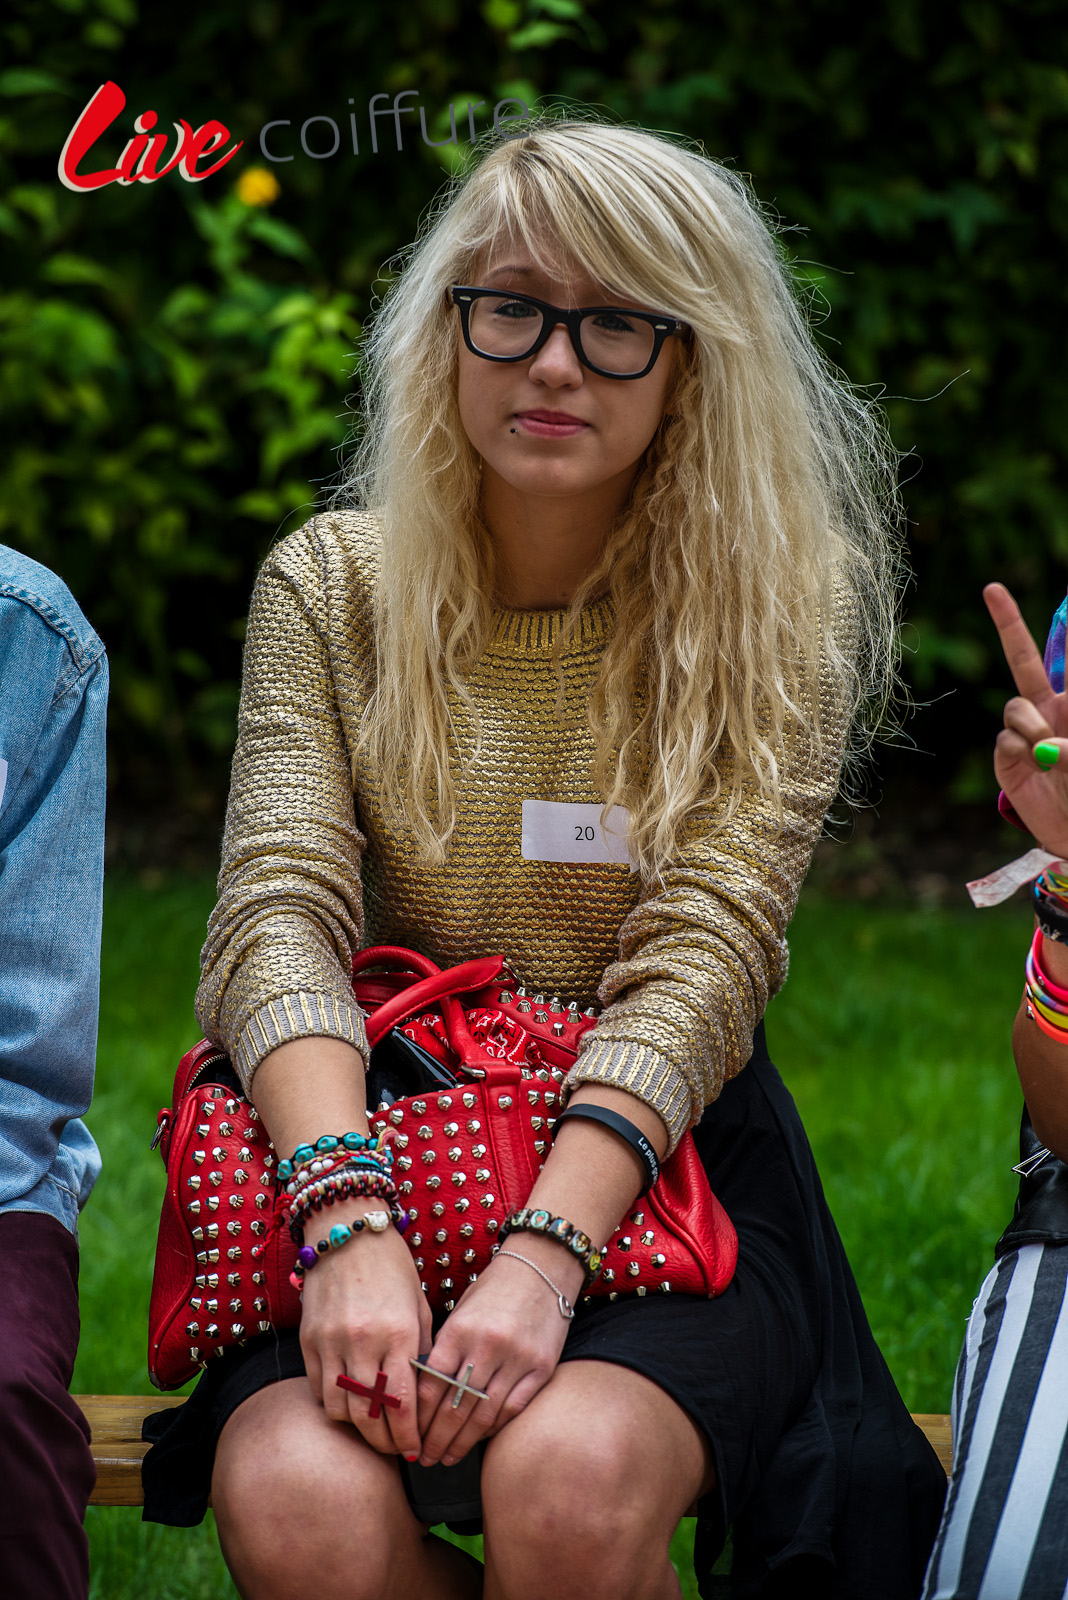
<point>1035,716</point>
<point>365,1313</point>
<point>509,1329</point>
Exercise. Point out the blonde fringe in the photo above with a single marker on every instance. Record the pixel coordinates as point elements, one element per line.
<point>758,559</point>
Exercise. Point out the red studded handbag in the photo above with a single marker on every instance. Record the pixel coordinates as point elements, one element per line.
<point>488,1062</point>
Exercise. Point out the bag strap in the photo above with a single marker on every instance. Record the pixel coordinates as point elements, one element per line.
<point>437,988</point>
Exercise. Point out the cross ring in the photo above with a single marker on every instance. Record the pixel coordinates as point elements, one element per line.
<point>461,1385</point>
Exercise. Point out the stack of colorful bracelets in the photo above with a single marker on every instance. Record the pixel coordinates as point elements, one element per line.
<point>1047,1002</point>
<point>338,1167</point>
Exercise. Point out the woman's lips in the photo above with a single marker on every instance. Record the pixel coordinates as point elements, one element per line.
<point>550,424</point>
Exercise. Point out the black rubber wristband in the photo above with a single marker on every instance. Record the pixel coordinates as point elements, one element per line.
<point>626,1130</point>
<point>1052,916</point>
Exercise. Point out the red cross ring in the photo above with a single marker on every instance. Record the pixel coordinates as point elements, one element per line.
<point>377,1395</point>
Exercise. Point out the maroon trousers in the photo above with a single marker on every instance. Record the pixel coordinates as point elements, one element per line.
<point>46,1468</point>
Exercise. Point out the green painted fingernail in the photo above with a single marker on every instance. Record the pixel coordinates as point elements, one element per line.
<point>1047,755</point>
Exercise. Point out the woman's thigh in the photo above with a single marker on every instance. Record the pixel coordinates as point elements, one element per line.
<point>304,1506</point>
<point>583,1490</point>
<point>1004,1533</point>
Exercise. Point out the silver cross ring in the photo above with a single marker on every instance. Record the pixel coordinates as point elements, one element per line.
<point>461,1385</point>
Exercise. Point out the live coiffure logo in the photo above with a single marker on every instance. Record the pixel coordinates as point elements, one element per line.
<point>197,154</point>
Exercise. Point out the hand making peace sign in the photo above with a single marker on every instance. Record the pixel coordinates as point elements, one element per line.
<point>1031,753</point>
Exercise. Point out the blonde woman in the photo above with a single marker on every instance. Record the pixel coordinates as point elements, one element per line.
<point>621,543</point>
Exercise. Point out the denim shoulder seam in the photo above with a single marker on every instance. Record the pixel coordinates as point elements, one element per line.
<point>85,650</point>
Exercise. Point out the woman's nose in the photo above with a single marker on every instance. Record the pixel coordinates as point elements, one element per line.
<point>557,361</point>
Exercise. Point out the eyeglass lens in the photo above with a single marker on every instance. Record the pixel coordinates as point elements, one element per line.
<point>611,340</point>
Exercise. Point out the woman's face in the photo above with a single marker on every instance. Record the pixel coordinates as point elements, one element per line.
<point>548,426</point>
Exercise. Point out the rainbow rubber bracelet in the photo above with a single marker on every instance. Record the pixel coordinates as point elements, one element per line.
<point>1059,1034</point>
<point>1055,991</point>
<point>1056,1019</point>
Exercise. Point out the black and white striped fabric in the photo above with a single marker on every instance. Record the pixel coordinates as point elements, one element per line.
<point>1004,1532</point>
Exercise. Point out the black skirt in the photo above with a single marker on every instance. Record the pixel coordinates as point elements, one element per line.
<point>828,1487</point>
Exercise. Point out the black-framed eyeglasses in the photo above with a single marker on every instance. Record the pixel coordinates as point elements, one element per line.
<point>611,341</point>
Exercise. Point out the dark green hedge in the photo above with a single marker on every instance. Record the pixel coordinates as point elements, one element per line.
<point>174,361</point>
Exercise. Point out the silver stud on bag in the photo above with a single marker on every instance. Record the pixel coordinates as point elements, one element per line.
<point>659,1260</point>
<point>419,1107</point>
<point>444,1103</point>
<point>226,1129</point>
<point>434,1182</point>
<point>425,1132</point>
<point>203,1130</point>
<point>459,1179</point>
<point>466,1230</point>
<point>637,1217</point>
<point>558,1029</point>
<point>492,1225</point>
<point>470,1100</point>
<point>474,1126</point>
<point>193,1207</point>
<point>455,1153</point>
<point>219,1154</point>
<point>462,1203</point>
<point>487,1202</point>
<point>237,1201</point>
<point>451,1129</point>
<point>199,1157</point>
<point>429,1157</point>
<point>212,1202</point>
<point>505,1102</point>
<point>633,1269</point>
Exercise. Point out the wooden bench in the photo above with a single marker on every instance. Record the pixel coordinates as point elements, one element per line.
<point>115,1421</point>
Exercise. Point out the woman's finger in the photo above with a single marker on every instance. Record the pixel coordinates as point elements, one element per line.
<point>1023,717</point>
<point>381,1405</point>
<point>1049,753</point>
<point>1021,652</point>
<point>445,1408</point>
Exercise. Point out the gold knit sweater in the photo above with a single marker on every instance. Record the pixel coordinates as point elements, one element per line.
<point>312,869</point>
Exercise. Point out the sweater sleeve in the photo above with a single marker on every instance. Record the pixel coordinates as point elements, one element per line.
<point>705,949</point>
<point>276,962</point>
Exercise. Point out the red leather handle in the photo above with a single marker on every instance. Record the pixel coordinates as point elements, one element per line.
<point>437,987</point>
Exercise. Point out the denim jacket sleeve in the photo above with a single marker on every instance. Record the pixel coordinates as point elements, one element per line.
<point>53,700</point>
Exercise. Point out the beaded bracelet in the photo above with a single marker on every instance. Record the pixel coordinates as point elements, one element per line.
<point>340,1234</point>
<point>324,1150</point>
<point>334,1187</point>
<point>531,1219</point>
<point>626,1130</point>
<point>367,1160</point>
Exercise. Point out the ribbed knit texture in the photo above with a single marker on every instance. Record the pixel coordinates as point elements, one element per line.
<point>313,869</point>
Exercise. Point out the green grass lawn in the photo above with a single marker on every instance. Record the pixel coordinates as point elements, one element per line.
<point>893,1033</point>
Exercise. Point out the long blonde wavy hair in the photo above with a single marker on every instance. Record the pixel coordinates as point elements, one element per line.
<point>758,548</point>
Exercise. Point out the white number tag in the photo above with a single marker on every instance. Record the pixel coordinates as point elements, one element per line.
<point>557,830</point>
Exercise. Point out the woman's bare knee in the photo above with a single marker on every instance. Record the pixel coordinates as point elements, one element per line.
<point>302,1505</point>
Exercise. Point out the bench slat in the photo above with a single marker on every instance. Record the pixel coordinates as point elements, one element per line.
<point>115,1423</point>
<point>115,1428</point>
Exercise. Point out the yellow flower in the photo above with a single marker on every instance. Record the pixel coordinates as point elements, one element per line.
<point>257,187</point>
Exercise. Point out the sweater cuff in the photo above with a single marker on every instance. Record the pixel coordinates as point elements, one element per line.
<point>296,1016</point>
<point>642,1072</point>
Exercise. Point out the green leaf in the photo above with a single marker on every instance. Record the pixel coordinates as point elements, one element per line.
<point>68,268</point>
<point>30,80</point>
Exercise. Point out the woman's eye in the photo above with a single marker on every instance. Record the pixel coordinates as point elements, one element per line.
<point>514,310</point>
<point>613,322</point>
